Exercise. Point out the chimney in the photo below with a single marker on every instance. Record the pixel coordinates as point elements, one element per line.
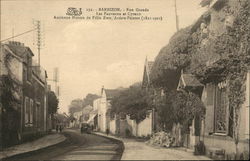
<point>15,43</point>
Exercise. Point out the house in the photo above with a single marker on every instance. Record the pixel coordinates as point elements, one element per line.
<point>105,107</point>
<point>190,83</point>
<point>29,90</point>
<point>82,116</point>
<point>218,127</point>
<point>123,125</point>
<point>77,119</point>
<point>96,107</point>
<point>216,130</point>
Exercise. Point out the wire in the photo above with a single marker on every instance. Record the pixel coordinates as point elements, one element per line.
<point>18,35</point>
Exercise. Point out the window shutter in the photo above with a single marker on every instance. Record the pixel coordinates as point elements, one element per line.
<point>247,106</point>
<point>209,119</point>
<point>31,111</point>
<point>210,95</point>
<point>26,110</point>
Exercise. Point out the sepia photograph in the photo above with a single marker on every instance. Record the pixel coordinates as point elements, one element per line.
<point>124,79</point>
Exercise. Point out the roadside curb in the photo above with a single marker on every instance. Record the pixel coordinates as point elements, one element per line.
<point>120,143</point>
<point>8,157</point>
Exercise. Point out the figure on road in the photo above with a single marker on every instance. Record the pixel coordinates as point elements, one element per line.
<point>56,128</point>
<point>60,128</point>
<point>107,132</point>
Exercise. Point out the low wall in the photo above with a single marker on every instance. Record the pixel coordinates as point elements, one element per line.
<point>145,126</point>
<point>226,143</point>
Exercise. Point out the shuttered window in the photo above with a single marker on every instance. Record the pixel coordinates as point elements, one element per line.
<point>31,112</point>
<point>209,128</point>
<point>221,107</point>
<point>26,110</point>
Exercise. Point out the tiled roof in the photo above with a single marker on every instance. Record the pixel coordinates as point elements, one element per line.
<point>190,80</point>
<point>110,93</point>
<point>19,49</point>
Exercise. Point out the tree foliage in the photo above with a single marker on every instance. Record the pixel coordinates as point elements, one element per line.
<point>133,101</point>
<point>52,103</point>
<point>205,3</point>
<point>88,100</point>
<point>178,107</point>
<point>171,59</point>
<point>233,47</point>
<point>75,106</point>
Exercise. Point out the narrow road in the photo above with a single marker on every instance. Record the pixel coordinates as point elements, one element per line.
<point>77,147</point>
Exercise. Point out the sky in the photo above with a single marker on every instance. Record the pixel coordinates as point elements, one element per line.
<point>94,53</point>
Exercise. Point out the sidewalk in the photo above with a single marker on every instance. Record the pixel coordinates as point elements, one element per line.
<point>40,143</point>
<point>135,150</point>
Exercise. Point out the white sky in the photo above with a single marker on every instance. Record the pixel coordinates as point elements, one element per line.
<point>90,54</point>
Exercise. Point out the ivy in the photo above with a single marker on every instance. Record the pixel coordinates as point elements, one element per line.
<point>233,48</point>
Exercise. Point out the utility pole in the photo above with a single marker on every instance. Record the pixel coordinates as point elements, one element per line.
<point>39,38</point>
<point>176,16</point>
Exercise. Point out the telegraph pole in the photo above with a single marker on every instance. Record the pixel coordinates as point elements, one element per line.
<point>176,16</point>
<point>39,38</point>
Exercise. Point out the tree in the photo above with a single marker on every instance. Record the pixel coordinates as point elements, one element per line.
<point>75,106</point>
<point>52,103</point>
<point>133,101</point>
<point>171,59</point>
<point>205,3</point>
<point>178,107</point>
<point>88,100</point>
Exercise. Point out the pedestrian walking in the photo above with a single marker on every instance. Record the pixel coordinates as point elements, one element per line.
<point>107,132</point>
<point>56,128</point>
<point>60,128</point>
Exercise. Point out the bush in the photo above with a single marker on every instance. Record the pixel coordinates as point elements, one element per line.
<point>199,148</point>
<point>127,133</point>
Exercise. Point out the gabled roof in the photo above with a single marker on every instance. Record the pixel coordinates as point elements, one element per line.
<point>190,80</point>
<point>19,49</point>
<point>111,93</point>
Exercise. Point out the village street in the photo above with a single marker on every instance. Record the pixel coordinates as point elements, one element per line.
<point>98,146</point>
<point>127,80</point>
<point>77,146</point>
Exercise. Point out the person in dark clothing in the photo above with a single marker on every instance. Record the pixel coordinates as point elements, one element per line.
<point>60,128</point>
<point>56,128</point>
<point>107,132</point>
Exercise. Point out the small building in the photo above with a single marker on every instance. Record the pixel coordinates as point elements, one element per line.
<point>28,115</point>
<point>104,108</point>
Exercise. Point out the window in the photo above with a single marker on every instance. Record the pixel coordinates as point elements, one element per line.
<point>29,70</point>
<point>25,77</point>
<point>221,106</point>
<point>31,111</point>
<point>26,110</point>
<point>37,113</point>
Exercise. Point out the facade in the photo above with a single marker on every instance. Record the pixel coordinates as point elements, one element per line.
<point>105,107</point>
<point>30,110</point>
<point>150,121</point>
<point>123,125</point>
<point>189,83</point>
<point>82,116</point>
<point>78,119</point>
<point>216,130</point>
<point>218,126</point>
